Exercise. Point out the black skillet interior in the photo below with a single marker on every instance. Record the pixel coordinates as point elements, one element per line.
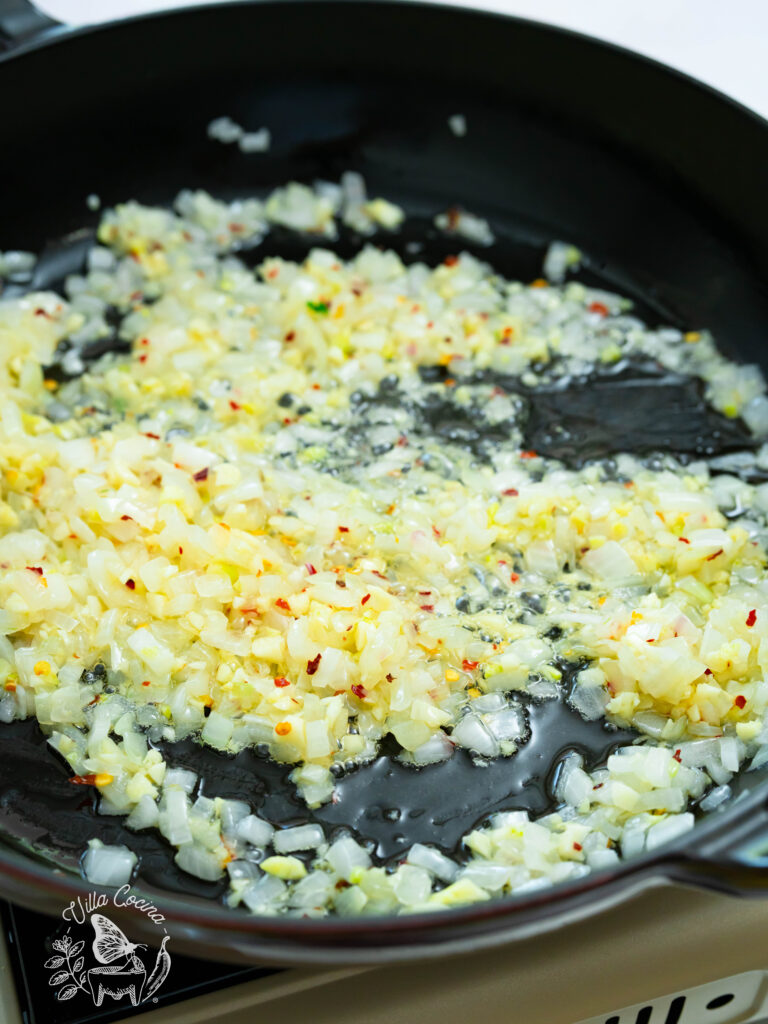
<point>658,181</point>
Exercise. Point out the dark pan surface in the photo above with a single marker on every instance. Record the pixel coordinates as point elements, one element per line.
<point>567,139</point>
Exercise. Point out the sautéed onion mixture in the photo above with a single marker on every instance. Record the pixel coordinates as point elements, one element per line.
<point>292,508</point>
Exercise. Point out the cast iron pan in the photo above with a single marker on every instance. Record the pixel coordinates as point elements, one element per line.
<point>659,180</point>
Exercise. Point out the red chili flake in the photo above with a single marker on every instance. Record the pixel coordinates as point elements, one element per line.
<point>365,599</point>
<point>143,358</point>
<point>181,550</point>
<point>389,677</point>
<point>710,557</point>
<point>236,228</point>
<point>282,603</point>
<point>144,341</point>
<point>511,492</point>
<point>427,607</point>
<point>93,779</point>
<point>342,884</point>
<point>42,312</point>
<point>153,437</point>
<point>740,701</point>
<point>752,618</point>
<point>359,691</point>
<point>425,593</point>
<point>436,532</point>
<point>290,336</point>
<point>35,568</point>
<point>281,681</point>
<point>578,847</point>
<point>311,569</point>
<point>341,583</point>
<point>131,584</point>
<point>201,475</point>
<point>683,540</point>
<point>707,671</point>
<point>451,261</point>
<point>454,215</point>
<point>469,666</point>
<point>234,406</point>
<point>343,529</point>
<point>677,756</point>
<point>514,577</point>
<point>314,664</point>
<point>528,455</point>
<point>402,441</point>
<point>126,518</point>
<point>598,307</point>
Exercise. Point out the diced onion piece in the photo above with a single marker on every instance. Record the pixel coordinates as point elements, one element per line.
<point>144,815</point>
<point>302,837</point>
<point>472,733</point>
<point>669,829</point>
<point>255,830</point>
<point>198,861</point>
<point>108,865</point>
<point>346,856</point>
<point>433,860</point>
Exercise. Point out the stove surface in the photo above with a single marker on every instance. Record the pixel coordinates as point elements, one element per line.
<point>670,955</point>
<point>29,937</point>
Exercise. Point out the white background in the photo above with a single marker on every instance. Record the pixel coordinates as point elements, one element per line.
<point>723,42</point>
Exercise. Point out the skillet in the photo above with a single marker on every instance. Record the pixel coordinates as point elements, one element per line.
<point>658,179</point>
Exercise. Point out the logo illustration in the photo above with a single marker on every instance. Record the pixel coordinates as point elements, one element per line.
<point>118,971</point>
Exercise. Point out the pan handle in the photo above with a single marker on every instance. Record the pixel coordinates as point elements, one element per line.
<point>21,22</point>
<point>733,860</point>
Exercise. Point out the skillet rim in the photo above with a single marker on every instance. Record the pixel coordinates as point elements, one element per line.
<point>524,913</point>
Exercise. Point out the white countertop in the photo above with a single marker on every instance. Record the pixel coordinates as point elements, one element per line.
<point>722,42</point>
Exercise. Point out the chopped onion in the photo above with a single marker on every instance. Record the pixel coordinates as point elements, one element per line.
<point>108,865</point>
<point>589,701</point>
<point>301,837</point>
<point>433,860</point>
<point>437,748</point>
<point>255,830</point>
<point>472,734</point>
<point>144,815</point>
<point>411,884</point>
<point>181,777</point>
<point>174,820</point>
<point>265,894</point>
<point>610,562</point>
<point>232,813</point>
<point>239,869</point>
<point>198,861</point>
<point>669,829</point>
<point>345,855</point>
<point>715,798</point>
<point>508,724</point>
